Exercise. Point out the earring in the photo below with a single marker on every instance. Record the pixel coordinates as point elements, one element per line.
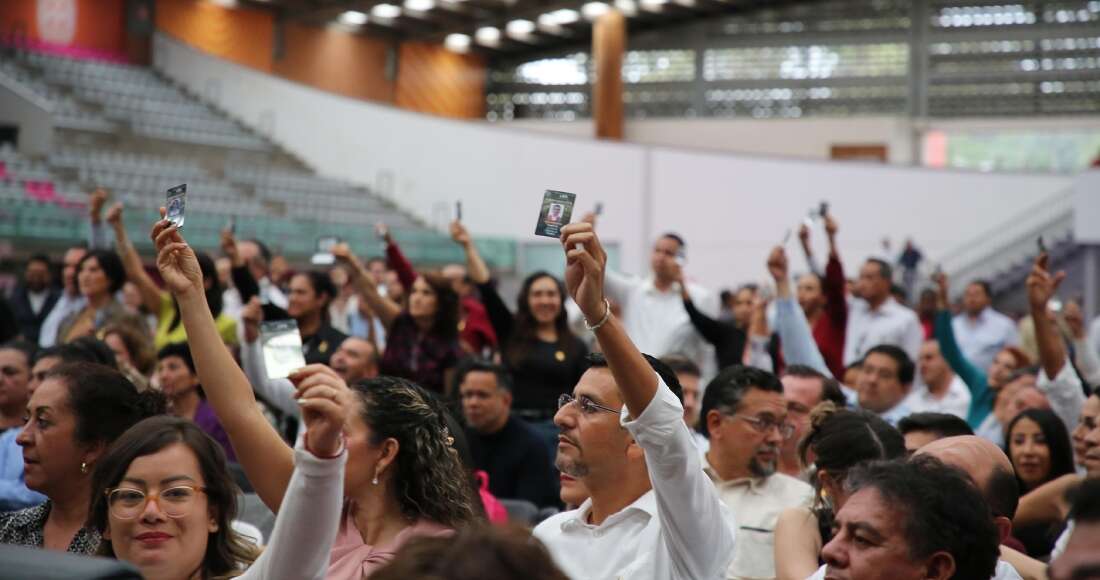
<point>83,467</point>
<point>374,481</point>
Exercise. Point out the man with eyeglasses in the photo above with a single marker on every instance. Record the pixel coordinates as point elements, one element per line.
<point>651,512</point>
<point>744,415</point>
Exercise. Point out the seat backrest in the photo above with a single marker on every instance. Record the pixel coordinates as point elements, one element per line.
<point>21,562</point>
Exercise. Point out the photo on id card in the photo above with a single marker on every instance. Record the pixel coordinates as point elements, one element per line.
<point>557,210</point>
<point>281,344</point>
<point>175,204</point>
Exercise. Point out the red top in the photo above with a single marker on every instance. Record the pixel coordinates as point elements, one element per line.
<point>831,327</point>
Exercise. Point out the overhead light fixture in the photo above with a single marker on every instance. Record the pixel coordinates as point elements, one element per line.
<point>559,17</point>
<point>520,28</point>
<point>457,42</point>
<point>420,5</point>
<point>594,10</point>
<point>488,35</point>
<point>627,7</point>
<point>353,18</point>
<point>225,3</point>
<point>386,11</point>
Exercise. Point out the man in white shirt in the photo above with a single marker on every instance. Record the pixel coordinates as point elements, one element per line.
<point>653,307</point>
<point>981,331</point>
<point>915,520</point>
<point>651,511</point>
<point>1080,557</point>
<point>70,300</point>
<point>877,318</point>
<point>745,418</point>
<point>940,390</point>
<point>884,381</point>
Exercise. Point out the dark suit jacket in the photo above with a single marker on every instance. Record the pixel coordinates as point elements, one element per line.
<point>30,323</point>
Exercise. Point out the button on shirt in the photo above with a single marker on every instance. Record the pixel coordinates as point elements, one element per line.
<point>657,322</point>
<point>981,338</point>
<point>891,323</point>
<point>757,501</point>
<point>679,530</point>
<point>956,400</point>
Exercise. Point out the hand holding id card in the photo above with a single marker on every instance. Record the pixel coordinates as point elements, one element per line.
<point>176,203</point>
<point>282,348</point>
<point>557,210</point>
<point>324,256</point>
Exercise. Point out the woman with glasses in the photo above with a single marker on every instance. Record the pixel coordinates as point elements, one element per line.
<point>165,501</point>
<point>839,439</point>
<point>74,415</point>
<point>404,478</point>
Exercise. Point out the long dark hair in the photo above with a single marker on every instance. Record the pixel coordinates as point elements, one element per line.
<point>430,481</point>
<point>446,305</point>
<point>213,293</point>
<point>321,284</point>
<point>226,552</point>
<point>525,331</point>
<point>1057,439</point>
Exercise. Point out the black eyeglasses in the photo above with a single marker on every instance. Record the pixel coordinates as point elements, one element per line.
<point>764,424</point>
<point>588,406</point>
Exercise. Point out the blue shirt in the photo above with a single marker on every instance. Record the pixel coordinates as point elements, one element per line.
<point>14,494</point>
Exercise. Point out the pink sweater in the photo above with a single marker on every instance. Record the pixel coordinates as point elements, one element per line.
<point>353,560</point>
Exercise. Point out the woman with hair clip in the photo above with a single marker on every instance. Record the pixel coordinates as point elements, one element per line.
<point>544,357</point>
<point>187,530</point>
<point>404,478</point>
<point>169,330</point>
<point>838,440</point>
<point>421,337</point>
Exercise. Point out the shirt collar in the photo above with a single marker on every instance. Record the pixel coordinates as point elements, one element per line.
<point>649,285</point>
<point>647,504</point>
<point>753,483</point>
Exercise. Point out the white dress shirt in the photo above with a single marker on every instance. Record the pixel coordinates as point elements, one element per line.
<point>679,530</point>
<point>657,322</point>
<point>757,501</point>
<point>891,323</point>
<point>956,400</point>
<point>981,338</point>
<point>62,309</point>
<point>1064,392</point>
<point>1003,571</point>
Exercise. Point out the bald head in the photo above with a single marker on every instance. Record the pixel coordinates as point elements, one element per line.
<point>976,456</point>
<point>987,465</point>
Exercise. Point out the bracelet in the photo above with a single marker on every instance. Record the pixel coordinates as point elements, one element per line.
<point>603,321</point>
<point>339,452</point>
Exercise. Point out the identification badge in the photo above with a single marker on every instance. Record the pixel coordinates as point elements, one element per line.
<point>282,348</point>
<point>557,210</point>
<point>176,203</point>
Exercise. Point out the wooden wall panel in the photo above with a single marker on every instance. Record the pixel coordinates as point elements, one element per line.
<point>333,60</point>
<point>431,79</point>
<point>241,35</point>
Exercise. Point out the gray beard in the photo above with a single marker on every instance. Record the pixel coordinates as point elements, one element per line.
<point>572,468</point>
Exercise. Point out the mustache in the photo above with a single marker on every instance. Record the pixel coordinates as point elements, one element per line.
<point>768,448</point>
<point>571,440</point>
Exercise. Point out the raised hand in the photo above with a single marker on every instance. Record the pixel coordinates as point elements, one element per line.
<point>229,248</point>
<point>383,232</point>
<point>1041,284</point>
<point>942,296</point>
<point>95,203</point>
<point>459,234</point>
<point>585,261</point>
<point>114,215</point>
<point>1075,319</point>
<point>777,263</point>
<point>804,235</point>
<point>325,400</point>
<point>252,314</point>
<point>178,265</point>
<point>831,227</point>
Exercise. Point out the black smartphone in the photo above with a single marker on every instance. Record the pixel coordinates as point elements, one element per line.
<point>458,211</point>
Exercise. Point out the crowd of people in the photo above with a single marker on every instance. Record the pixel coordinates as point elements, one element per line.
<point>600,426</point>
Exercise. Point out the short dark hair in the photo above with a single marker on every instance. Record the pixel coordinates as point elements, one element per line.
<point>682,365</point>
<point>473,364</point>
<point>906,368</point>
<point>104,402</point>
<point>884,268</point>
<point>939,424</point>
<point>830,387</point>
<point>1086,502</point>
<point>321,284</point>
<point>842,438</point>
<point>40,258</point>
<point>596,360</point>
<point>111,265</point>
<point>473,553</point>
<point>29,349</point>
<point>984,285</point>
<point>677,237</point>
<point>941,510</point>
<point>86,349</point>
<point>178,349</point>
<point>1002,493</point>
<point>265,252</point>
<point>725,391</point>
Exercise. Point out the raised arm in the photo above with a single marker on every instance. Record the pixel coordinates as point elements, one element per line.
<point>795,337</point>
<point>1041,287</point>
<point>713,331</point>
<point>367,287</point>
<point>475,266</point>
<point>807,249</point>
<point>396,260</point>
<point>266,459</point>
<point>246,285</point>
<point>131,261</point>
<point>97,233</point>
<point>1083,354</point>
<point>278,393</point>
<point>834,283</point>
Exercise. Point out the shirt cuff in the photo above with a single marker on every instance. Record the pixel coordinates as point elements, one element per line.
<point>311,465</point>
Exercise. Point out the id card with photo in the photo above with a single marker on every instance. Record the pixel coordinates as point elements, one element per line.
<point>281,344</point>
<point>557,210</point>
<point>175,205</point>
<point>324,256</point>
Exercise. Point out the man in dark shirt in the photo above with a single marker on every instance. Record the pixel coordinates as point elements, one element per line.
<point>33,300</point>
<point>506,447</point>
